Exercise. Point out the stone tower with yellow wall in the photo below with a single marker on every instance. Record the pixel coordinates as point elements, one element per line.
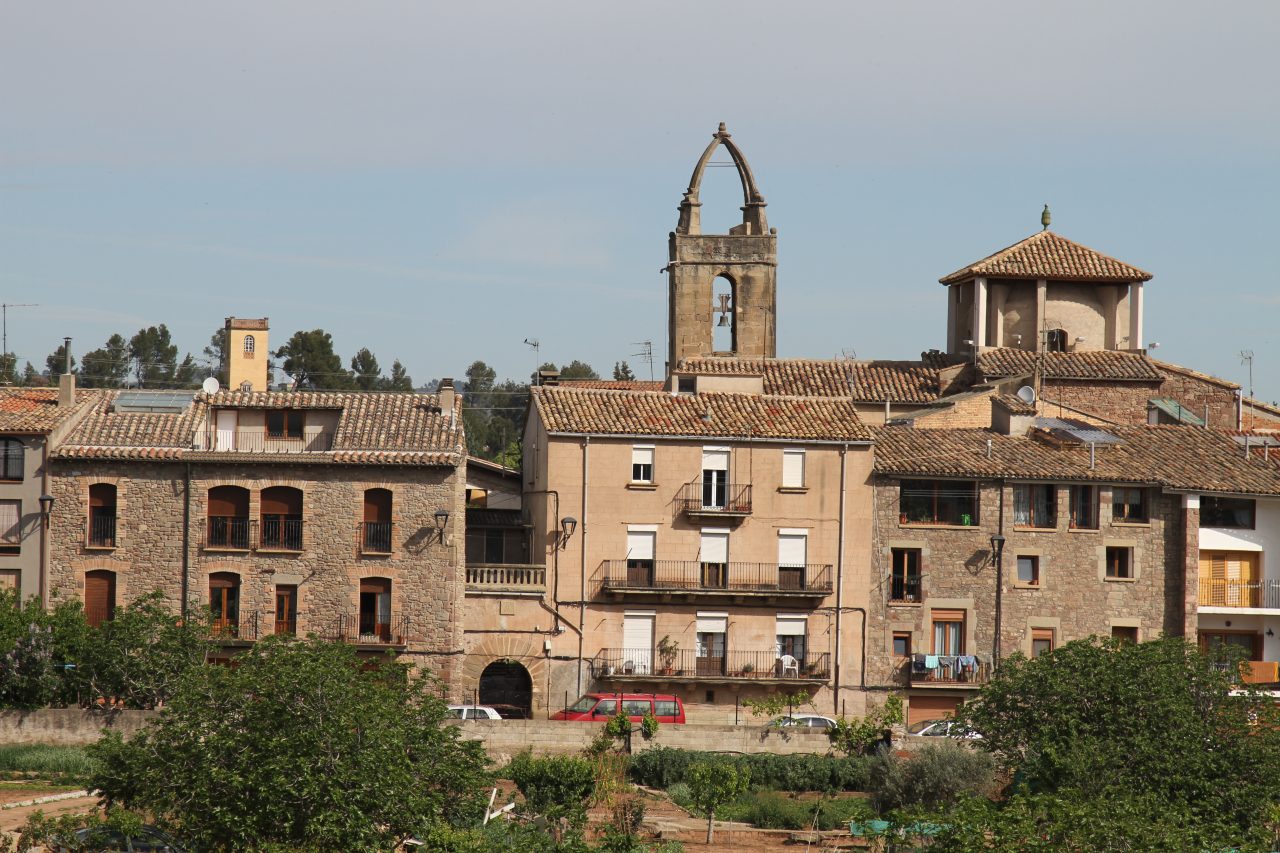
<point>746,262</point>
<point>247,354</point>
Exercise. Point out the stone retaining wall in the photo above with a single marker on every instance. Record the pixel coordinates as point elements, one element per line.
<point>67,726</point>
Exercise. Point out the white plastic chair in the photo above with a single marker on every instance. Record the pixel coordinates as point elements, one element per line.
<point>788,663</point>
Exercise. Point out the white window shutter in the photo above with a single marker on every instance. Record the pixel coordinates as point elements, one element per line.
<point>793,469</point>
<point>792,549</point>
<point>640,545</point>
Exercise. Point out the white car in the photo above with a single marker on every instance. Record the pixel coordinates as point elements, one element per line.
<point>810,721</point>
<point>943,728</point>
<point>473,712</point>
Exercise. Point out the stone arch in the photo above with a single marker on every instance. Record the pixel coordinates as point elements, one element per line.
<point>506,685</point>
<point>523,649</point>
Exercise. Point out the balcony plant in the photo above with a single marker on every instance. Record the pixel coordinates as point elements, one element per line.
<point>667,649</point>
<point>748,668</point>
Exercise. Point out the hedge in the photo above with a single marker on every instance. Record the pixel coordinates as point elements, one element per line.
<point>662,767</point>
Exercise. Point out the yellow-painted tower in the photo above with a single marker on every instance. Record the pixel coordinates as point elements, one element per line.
<point>247,354</point>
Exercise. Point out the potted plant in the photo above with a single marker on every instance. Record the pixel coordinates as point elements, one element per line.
<point>748,668</point>
<point>667,649</point>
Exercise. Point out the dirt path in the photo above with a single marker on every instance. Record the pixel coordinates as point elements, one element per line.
<point>13,818</point>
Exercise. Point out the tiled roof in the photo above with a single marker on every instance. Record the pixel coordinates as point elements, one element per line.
<point>862,381</point>
<point>373,429</point>
<point>1092,364</point>
<point>1175,457</point>
<point>712,415</point>
<point>1016,405</point>
<point>29,410</point>
<point>1166,367</point>
<point>1049,256</point>
<point>614,384</point>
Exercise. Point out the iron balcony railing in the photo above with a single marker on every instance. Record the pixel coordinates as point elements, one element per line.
<point>242,625</point>
<point>224,533</point>
<point>506,576</point>
<point>375,537</point>
<point>280,534</point>
<point>368,629</point>
<point>904,589</point>
<point>288,625</point>
<point>1218,592</point>
<point>101,531</point>
<point>947,669</point>
<point>734,663</point>
<point>702,497</point>
<point>258,440</point>
<point>696,576</point>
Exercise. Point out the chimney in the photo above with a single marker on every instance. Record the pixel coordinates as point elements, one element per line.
<point>447,395</point>
<point>67,381</point>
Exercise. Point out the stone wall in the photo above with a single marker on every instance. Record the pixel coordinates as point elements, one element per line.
<point>1126,402</point>
<point>68,726</point>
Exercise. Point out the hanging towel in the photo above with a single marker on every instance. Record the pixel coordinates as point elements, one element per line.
<point>930,661</point>
<point>967,661</point>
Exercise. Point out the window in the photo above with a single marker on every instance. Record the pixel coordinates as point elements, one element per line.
<point>642,464</point>
<point>285,423</point>
<point>1035,505</point>
<point>1119,562</point>
<point>905,582</point>
<point>793,552</point>
<point>376,529</point>
<point>664,707</point>
<point>10,527</point>
<point>715,478</point>
<point>224,604</point>
<point>1084,507</point>
<point>11,581</point>
<point>902,644</point>
<point>1232,579</point>
<point>12,454</point>
<point>1227,512</point>
<point>102,515</point>
<point>1055,340</point>
<point>1124,633</point>
<point>640,548</point>
<point>790,633</point>
<point>286,609</point>
<point>686,385</point>
<point>636,707</point>
<point>99,596</point>
<point>953,502</point>
<point>712,628</point>
<point>228,518</point>
<point>1041,641</point>
<point>248,345</point>
<point>713,559</point>
<point>1028,570</point>
<point>793,469</point>
<point>948,632</point>
<point>281,519</point>
<point>605,708</point>
<point>1128,505</point>
<point>375,610</point>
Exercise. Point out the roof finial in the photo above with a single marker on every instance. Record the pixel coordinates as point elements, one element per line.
<point>722,131</point>
<point>1045,218</point>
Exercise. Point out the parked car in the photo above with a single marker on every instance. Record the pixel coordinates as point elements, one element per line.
<point>473,712</point>
<point>811,721</point>
<point>943,728</point>
<point>148,840</point>
<point>602,706</point>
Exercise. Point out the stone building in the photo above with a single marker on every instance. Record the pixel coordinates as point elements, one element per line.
<point>340,514</point>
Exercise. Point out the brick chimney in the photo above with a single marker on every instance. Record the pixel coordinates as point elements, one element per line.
<point>67,381</point>
<point>447,395</point>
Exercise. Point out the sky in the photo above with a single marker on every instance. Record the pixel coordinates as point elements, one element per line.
<point>441,181</point>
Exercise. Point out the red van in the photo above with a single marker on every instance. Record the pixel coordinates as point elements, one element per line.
<point>599,707</point>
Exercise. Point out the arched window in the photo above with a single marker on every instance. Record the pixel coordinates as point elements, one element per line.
<point>1055,340</point>
<point>281,519</point>
<point>724,315</point>
<point>248,344</point>
<point>102,515</point>
<point>99,596</point>
<point>11,456</point>
<point>376,530</point>
<point>228,518</point>
<point>224,604</point>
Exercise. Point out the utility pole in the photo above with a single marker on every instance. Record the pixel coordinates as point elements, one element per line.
<point>4,335</point>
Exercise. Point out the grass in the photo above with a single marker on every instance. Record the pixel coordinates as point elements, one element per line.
<point>46,761</point>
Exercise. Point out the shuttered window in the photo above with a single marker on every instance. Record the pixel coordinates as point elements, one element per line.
<point>713,623</point>
<point>793,469</point>
<point>10,526</point>
<point>792,549</point>
<point>11,459</point>
<point>640,544</point>
<point>642,464</point>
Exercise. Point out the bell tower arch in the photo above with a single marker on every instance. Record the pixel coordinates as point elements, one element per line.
<point>719,280</point>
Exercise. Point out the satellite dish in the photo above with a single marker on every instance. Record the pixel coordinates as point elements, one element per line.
<point>211,385</point>
<point>1027,394</point>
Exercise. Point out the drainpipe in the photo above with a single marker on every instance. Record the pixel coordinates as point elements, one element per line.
<point>45,522</point>
<point>186,536</point>
<point>997,543</point>
<point>835,699</point>
<point>582,543</point>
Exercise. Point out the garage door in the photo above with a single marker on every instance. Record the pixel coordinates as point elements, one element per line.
<point>930,707</point>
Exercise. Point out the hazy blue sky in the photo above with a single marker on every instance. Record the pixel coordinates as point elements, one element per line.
<point>440,181</point>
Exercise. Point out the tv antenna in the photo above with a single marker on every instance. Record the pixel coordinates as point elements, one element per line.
<point>1246,357</point>
<point>646,353</point>
<point>4,334</point>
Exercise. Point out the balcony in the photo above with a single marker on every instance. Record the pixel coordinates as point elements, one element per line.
<point>242,627</point>
<point>686,665</point>
<point>951,671</point>
<point>223,533</point>
<point>375,538</point>
<point>258,440</point>
<point>1259,672</point>
<point>706,500</point>
<point>100,531</point>
<point>367,629</point>
<point>694,579</point>
<point>281,534</point>
<point>506,577</point>
<point>1217,592</point>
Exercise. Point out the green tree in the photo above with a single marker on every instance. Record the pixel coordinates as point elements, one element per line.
<point>309,358</point>
<point>400,380</point>
<point>55,363</point>
<point>155,356</point>
<point>302,746</point>
<point>622,371</point>
<point>367,373</point>
<point>578,370</point>
<point>859,735</point>
<point>9,369</point>
<point>215,355</point>
<point>32,377</point>
<point>107,366</point>
<point>714,784</point>
<point>555,787</point>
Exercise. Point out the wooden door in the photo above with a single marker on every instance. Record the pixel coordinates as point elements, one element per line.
<point>99,596</point>
<point>375,608</point>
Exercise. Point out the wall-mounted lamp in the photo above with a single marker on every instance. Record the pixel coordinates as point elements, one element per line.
<point>46,507</point>
<point>568,524</point>
<point>1270,633</point>
<point>442,521</point>
<point>997,547</point>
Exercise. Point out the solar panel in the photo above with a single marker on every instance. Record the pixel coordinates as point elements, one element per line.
<point>1073,430</point>
<point>158,402</point>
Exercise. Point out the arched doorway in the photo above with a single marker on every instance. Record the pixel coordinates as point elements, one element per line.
<point>506,686</point>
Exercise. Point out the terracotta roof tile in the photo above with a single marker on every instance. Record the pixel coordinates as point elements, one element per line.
<point>36,409</point>
<point>712,415</point>
<point>862,381</point>
<point>1093,364</point>
<point>613,384</point>
<point>1049,256</point>
<point>1016,405</point>
<point>1175,457</point>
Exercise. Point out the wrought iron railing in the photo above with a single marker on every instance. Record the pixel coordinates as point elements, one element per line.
<point>948,669</point>
<point>506,576</point>
<point>242,625</point>
<point>286,626</point>
<point>1219,592</point>
<point>280,534</point>
<point>258,440</point>
<point>705,498</point>
<point>228,534</point>
<point>734,663</point>
<point>101,531</point>
<point>696,576</point>
<point>368,629</point>
<point>375,537</point>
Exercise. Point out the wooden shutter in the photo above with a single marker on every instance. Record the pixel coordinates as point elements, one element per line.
<point>921,708</point>
<point>99,596</point>
<point>947,615</point>
<point>281,500</point>
<point>228,502</point>
<point>377,505</point>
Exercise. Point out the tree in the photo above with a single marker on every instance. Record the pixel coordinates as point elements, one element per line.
<point>1120,723</point>
<point>622,371</point>
<point>216,355</point>
<point>188,374</point>
<point>714,784</point>
<point>31,377</point>
<point>368,375</point>
<point>55,363</point>
<point>859,735</point>
<point>309,358</point>
<point>555,787</point>
<point>155,356</point>
<point>302,746</point>
<point>400,379</point>
<point>107,366</point>
<point>8,369</point>
<point>578,370</point>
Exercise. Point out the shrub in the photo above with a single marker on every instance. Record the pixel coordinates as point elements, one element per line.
<point>775,811</point>
<point>556,786</point>
<point>680,795</point>
<point>714,784</point>
<point>663,767</point>
<point>938,775</point>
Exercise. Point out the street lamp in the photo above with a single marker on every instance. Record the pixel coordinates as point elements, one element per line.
<point>46,507</point>
<point>997,556</point>
<point>568,524</point>
<point>442,519</point>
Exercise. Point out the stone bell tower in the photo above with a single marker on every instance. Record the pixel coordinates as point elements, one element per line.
<point>723,280</point>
